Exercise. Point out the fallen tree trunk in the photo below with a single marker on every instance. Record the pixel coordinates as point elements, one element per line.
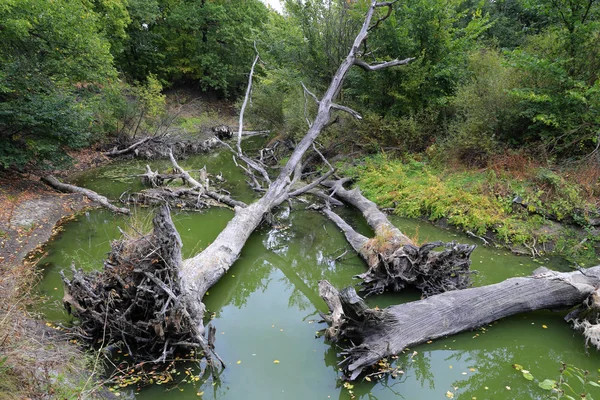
<point>393,259</point>
<point>197,274</point>
<point>376,334</point>
<point>90,194</point>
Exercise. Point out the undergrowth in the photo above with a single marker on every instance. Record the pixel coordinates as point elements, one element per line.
<point>521,204</point>
<point>36,361</point>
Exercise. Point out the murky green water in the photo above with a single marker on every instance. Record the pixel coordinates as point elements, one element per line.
<point>266,307</point>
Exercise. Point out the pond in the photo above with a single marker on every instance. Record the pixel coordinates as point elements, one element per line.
<point>266,308</point>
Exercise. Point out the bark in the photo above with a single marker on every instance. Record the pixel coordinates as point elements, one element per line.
<point>393,259</point>
<point>199,273</point>
<point>376,334</point>
<point>196,275</point>
<point>90,194</point>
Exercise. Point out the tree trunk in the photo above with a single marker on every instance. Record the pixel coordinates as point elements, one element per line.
<point>376,334</point>
<point>197,274</point>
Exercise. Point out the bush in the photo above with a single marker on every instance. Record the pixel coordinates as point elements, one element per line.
<point>484,112</point>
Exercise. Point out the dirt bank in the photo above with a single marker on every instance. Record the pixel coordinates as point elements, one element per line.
<point>36,360</point>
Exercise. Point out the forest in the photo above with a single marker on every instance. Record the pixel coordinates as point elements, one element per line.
<point>482,117</point>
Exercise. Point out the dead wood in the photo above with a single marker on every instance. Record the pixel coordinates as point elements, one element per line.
<point>114,152</point>
<point>393,259</point>
<point>90,194</point>
<point>152,148</point>
<point>198,274</point>
<point>374,334</point>
<point>137,300</point>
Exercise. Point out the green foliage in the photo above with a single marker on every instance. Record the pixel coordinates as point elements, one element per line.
<point>572,382</point>
<point>54,65</point>
<point>481,203</point>
<point>483,110</point>
<point>209,42</point>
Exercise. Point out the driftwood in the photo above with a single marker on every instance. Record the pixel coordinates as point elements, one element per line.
<point>151,148</point>
<point>393,259</point>
<point>375,334</point>
<point>90,194</point>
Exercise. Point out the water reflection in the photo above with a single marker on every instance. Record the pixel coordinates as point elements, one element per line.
<point>266,308</point>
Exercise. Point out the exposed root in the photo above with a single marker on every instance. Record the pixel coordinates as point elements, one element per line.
<point>431,272</point>
<point>136,301</point>
<point>586,319</point>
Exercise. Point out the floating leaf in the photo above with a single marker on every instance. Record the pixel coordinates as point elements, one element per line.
<point>239,361</point>
<point>544,326</point>
<point>547,384</point>
<point>449,394</point>
<point>275,361</point>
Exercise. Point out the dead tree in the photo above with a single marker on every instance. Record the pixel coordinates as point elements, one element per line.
<point>393,259</point>
<point>197,274</point>
<point>374,334</point>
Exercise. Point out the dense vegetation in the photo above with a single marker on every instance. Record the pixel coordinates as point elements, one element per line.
<point>487,75</point>
<point>493,84</point>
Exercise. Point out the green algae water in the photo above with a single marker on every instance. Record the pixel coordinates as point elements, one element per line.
<point>266,309</point>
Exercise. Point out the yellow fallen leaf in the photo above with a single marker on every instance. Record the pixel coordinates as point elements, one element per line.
<point>275,361</point>
<point>239,361</point>
<point>544,326</point>
<point>449,394</point>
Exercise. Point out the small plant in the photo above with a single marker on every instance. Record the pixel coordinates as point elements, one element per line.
<point>566,386</point>
<point>3,365</point>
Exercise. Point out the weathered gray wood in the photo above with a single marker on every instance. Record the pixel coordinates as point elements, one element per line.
<point>114,152</point>
<point>394,261</point>
<point>90,194</point>
<point>199,273</point>
<point>377,334</point>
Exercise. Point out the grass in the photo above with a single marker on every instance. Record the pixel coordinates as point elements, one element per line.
<point>481,201</point>
<point>36,360</point>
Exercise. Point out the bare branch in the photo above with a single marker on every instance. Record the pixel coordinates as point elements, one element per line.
<point>387,64</point>
<point>387,4</point>
<point>310,93</point>
<point>186,176</point>
<point>114,152</point>
<point>248,90</point>
<point>346,109</point>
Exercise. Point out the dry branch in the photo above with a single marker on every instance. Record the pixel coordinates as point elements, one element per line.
<point>376,334</point>
<point>90,194</point>
<point>114,152</point>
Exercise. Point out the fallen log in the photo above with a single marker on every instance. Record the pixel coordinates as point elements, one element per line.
<point>393,259</point>
<point>197,274</point>
<point>375,334</point>
<point>90,194</point>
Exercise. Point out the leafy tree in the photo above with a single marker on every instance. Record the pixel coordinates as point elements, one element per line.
<point>54,63</point>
